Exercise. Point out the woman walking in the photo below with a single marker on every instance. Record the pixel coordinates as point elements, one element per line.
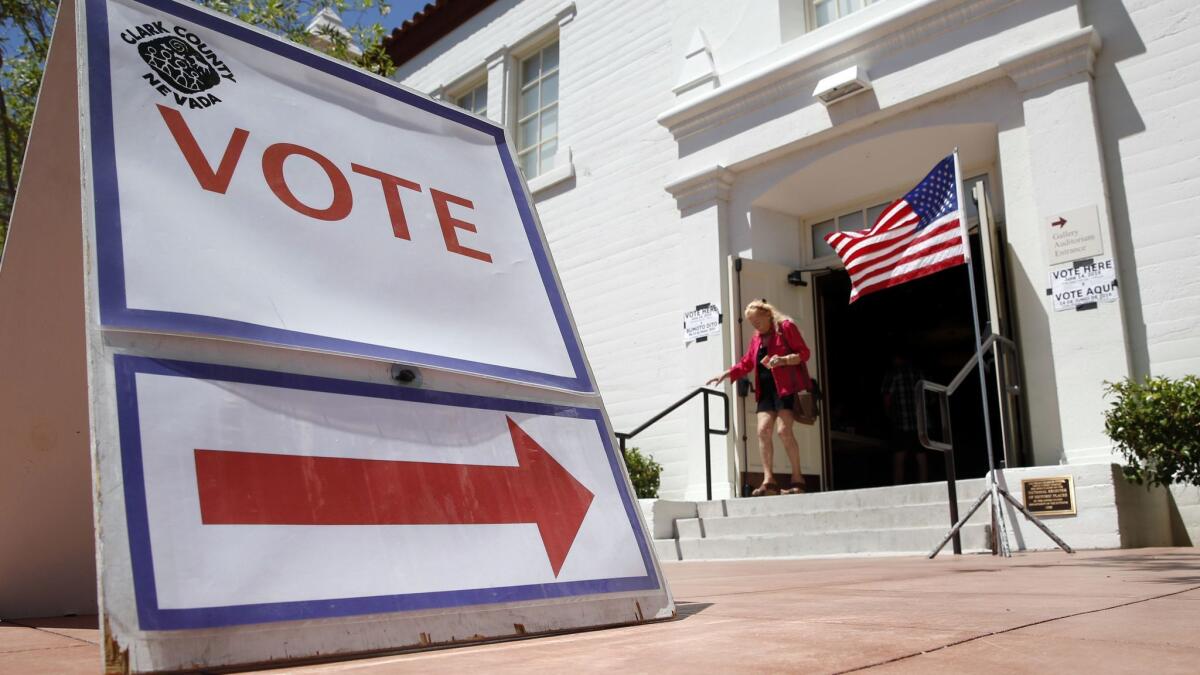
<point>776,353</point>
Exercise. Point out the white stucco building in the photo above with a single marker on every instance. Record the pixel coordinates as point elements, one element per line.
<point>679,155</point>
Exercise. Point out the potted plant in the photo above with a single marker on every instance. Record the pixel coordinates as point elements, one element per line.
<point>644,473</point>
<point>1156,426</point>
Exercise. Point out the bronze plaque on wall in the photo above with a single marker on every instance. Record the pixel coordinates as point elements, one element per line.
<point>1051,496</point>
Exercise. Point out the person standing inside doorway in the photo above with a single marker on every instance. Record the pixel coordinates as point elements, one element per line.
<point>776,354</point>
<point>899,391</point>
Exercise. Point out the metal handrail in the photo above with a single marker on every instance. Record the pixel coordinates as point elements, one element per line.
<point>943,395</point>
<point>944,392</point>
<point>945,445</point>
<point>708,428</point>
<point>988,345</point>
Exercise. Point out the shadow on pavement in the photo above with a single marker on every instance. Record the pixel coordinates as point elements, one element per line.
<point>685,609</point>
<point>1161,563</point>
<point>90,622</point>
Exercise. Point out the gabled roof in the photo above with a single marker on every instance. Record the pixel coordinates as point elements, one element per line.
<point>429,25</point>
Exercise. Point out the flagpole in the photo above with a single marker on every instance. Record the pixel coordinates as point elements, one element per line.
<point>993,489</point>
<point>997,510</point>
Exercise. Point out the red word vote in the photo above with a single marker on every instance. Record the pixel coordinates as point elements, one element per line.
<point>218,179</point>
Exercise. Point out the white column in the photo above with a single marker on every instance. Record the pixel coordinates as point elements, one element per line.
<point>703,201</point>
<point>498,73</point>
<point>1067,171</point>
<point>568,50</point>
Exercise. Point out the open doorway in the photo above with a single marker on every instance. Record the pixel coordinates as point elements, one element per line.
<point>928,319</point>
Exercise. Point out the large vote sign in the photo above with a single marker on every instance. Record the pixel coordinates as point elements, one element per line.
<point>256,496</point>
<point>193,184</point>
<point>251,190</point>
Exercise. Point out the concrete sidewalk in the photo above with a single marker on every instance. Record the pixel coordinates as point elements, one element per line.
<point>1097,611</point>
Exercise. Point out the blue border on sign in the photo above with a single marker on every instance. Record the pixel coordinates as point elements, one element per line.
<point>114,310</point>
<point>152,617</point>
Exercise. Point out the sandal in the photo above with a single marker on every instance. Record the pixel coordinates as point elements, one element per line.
<point>795,489</point>
<point>765,490</point>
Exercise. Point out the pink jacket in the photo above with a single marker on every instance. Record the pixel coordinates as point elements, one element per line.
<point>788,379</point>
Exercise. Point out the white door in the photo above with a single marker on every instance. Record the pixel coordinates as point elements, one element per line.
<point>757,280</point>
<point>1006,369</point>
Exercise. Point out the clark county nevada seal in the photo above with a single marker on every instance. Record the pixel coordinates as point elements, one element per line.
<point>183,67</point>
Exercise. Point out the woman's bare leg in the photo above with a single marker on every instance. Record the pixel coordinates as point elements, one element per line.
<point>783,426</point>
<point>766,421</point>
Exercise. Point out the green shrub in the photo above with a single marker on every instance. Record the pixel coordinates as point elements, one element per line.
<point>1156,425</point>
<point>644,473</point>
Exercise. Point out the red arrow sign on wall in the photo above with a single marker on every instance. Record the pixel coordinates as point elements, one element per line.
<point>254,488</point>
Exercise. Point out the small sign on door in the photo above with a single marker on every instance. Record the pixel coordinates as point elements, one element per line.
<point>701,322</point>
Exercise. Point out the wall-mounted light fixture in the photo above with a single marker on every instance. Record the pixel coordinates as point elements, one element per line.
<point>842,84</point>
<point>796,277</point>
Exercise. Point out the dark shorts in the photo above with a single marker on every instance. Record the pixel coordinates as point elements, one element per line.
<point>771,402</point>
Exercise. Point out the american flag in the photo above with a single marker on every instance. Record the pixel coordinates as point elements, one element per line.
<point>919,234</point>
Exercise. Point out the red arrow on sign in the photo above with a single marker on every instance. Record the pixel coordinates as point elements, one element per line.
<point>254,488</point>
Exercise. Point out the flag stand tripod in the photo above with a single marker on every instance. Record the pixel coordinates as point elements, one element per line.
<point>992,491</point>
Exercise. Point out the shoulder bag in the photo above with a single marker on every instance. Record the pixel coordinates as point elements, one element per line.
<point>804,408</point>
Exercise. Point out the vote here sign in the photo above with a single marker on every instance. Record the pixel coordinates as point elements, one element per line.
<point>245,188</point>
<point>254,496</point>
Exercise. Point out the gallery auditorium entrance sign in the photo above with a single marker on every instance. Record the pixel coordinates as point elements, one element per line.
<point>266,232</point>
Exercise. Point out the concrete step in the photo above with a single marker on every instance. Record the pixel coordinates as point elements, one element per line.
<point>901,520</point>
<point>896,541</point>
<point>922,493</point>
<point>666,549</point>
<point>807,521</point>
<point>908,519</point>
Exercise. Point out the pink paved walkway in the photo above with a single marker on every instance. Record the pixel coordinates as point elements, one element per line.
<point>1096,612</point>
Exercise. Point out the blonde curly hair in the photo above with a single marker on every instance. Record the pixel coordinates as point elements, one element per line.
<point>761,305</point>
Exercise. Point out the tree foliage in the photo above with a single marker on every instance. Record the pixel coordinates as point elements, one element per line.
<point>1156,425</point>
<point>289,18</point>
<point>26,27</point>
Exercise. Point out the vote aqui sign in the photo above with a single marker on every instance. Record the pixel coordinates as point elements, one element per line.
<point>1083,284</point>
<point>265,232</point>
